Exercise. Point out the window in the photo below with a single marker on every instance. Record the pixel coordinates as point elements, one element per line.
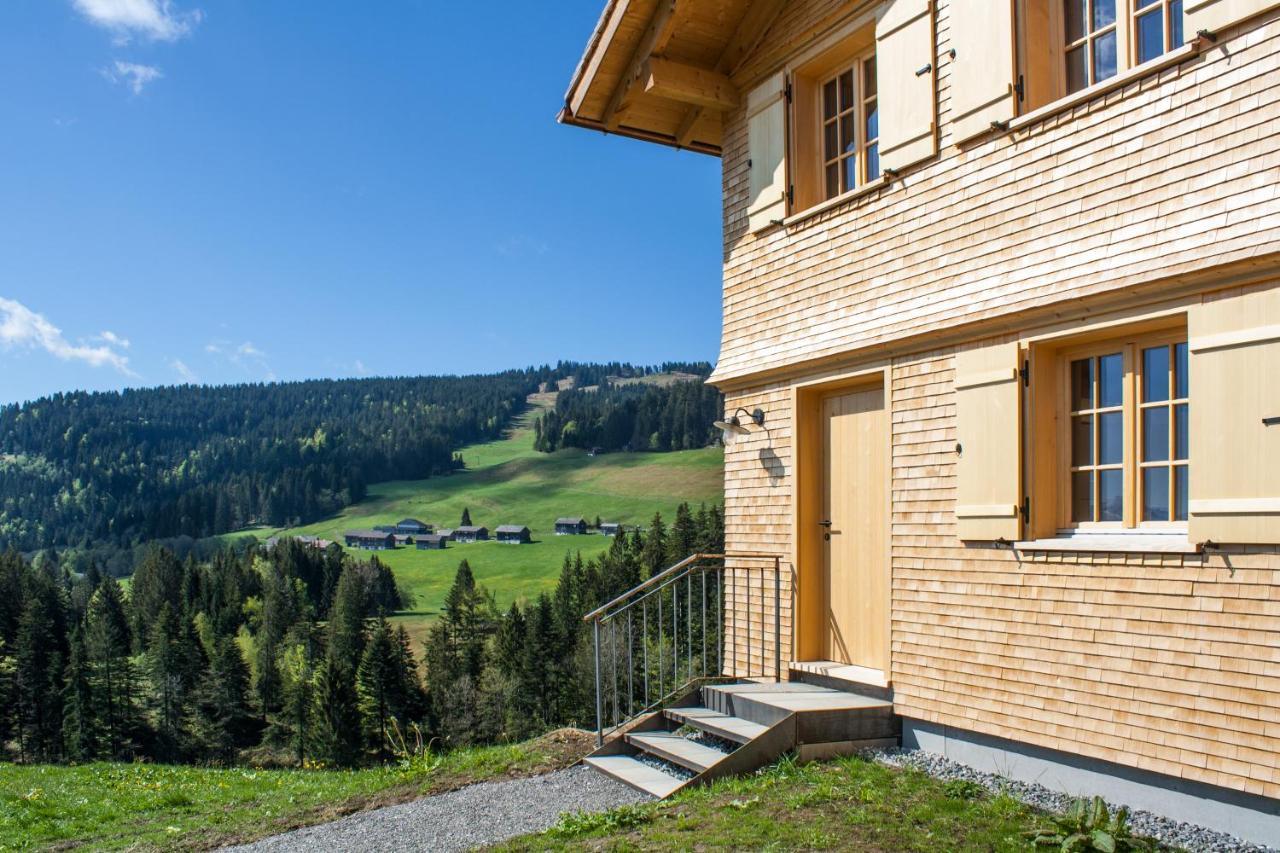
<point>1125,407</point>
<point>1090,41</point>
<point>849,128</point>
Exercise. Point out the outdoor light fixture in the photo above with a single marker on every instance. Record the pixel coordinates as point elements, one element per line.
<point>735,426</point>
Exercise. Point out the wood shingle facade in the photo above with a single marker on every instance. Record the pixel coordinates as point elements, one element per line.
<point>1051,577</point>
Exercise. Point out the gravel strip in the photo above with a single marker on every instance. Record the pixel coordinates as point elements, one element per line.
<point>476,815</point>
<point>1194,838</point>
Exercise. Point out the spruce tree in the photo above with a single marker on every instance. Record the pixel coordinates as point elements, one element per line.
<point>466,517</point>
<point>346,620</point>
<point>166,671</point>
<point>38,673</point>
<point>335,727</point>
<point>653,556</point>
<point>378,682</point>
<point>684,535</point>
<point>78,723</point>
<point>224,706</point>
<point>297,675</point>
<point>107,644</point>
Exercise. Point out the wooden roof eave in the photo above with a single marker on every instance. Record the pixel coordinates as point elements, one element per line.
<point>568,118</point>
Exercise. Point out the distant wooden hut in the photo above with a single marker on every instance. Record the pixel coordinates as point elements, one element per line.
<point>431,542</point>
<point>610,528</point>
<point>513,534</point>
<point>470,533</point>
<point>571,526</point>
<point>413,526</point>
<point>370,540</point>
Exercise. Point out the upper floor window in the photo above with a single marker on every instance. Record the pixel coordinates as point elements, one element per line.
<point>850,128</point>
<point>1090,50</point>
<point>1157,28</point>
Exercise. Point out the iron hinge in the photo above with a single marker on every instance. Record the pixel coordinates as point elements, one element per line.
<point>787,91</point>
<point>1020,88</point>
<point>1025,372</point>
<point>791,194</point>
<point>1026,510</point>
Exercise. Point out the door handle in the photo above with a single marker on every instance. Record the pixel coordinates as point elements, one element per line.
<point>826,522</point>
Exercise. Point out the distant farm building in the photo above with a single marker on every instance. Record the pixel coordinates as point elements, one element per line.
<point>445,533</point>
<point>370,540</point>
<point>404,539</point>
<point>571,526</point>
<point>431,542</point>
<point>513,534</point>
<point>413,526</point>
<point>385,528</point>
<point>470,533</point>
<point>610,528</point>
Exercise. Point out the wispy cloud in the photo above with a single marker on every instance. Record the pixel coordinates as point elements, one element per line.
<point>155,20</point>
<point>246,356</point>
<point>21,328</point>
<point>131,74</point>
<point>110,337</point>
<point>188,375</point>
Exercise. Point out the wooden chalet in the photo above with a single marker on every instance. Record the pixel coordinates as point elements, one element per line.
<point>513,534</point>
<point>571,526</point>
<point>370,540</point>
<point>413,526</point>
<point>470,533</point>
<point>610,528</point>
<point>1000,349</point>
<point>431,542</point>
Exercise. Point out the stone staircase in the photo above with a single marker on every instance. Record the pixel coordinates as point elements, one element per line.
<point>730,728</point>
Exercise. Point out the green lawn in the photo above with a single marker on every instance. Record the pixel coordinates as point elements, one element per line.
<point>149,806</point>
<point>508,482</point>
<point>847,804</point>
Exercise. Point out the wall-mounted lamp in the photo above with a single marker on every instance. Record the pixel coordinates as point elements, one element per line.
<point>734,425</point>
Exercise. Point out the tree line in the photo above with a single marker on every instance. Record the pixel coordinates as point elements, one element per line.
<point>286,655</point>
<point>632,417</point>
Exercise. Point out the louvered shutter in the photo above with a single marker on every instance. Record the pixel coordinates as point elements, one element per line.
<point>983,70</point>
<point>989,433</point>
<point>1214,15</point>
<point>1234,342</point>
<point>767,152</point>
<point>907,104</point>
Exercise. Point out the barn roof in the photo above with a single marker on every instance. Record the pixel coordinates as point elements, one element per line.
<point>512,528</point>
<point>570,520</point>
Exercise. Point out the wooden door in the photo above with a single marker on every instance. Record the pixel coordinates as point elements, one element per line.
<point>856,451</point>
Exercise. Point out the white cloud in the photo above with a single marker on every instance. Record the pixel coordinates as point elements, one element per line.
<point>188,375</point>
<point>245,356</point>
<point>22,328</point>
<point>157,20</point>
<point>133,75</point>
<point>110,337</point>
<point>249,350</point>
<point>360,369</point>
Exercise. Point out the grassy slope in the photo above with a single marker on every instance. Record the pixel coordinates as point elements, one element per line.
<point>847,804</point>
<point>508,482</point>
<point>148,806</point>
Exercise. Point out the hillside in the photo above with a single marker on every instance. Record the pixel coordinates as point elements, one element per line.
<point>508,482</point>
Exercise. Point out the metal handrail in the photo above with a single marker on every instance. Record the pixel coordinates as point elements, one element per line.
<point>708,627</point>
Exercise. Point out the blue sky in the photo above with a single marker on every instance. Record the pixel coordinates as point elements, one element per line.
<point>237,190</point>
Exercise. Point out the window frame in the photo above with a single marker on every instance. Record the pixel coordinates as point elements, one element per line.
<point>857,112</point>
<point>1130,347</point>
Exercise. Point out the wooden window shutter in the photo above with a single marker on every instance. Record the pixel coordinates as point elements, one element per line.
<point>1214,15</point>
<point>907,101</point>
<point>1234,339</point>
<point>767,152</point>
<point>983,70</point>
<point>989,434</point>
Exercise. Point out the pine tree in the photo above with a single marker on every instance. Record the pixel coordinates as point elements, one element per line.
<point>38,662</point>
<point>107,644</point>
<point>346,620</point>
<point>653,557</point>
<point>157,582</point>
<point>378,683</point>
<point>78,723</point>
<point>165,671</point>
<point>297,674</point>
<point>466,517</point>
<point>684,535</point>
<point>224,706</point>
<point>335,727</point>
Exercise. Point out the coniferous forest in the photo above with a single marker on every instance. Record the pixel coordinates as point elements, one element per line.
<point>632,417</point>
<point>285,656</point>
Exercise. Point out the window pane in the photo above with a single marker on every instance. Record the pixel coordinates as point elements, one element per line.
<point>1073,15</point>
<point>846,90</point>
<point>869,78</point>
<point>1155,494</point>
<point>1181,476</point>
<point>1110,438</point>
<point>1082,440</point>
<point>1155,434</point>
<point>1110,495</point>
<point>1150,35</point>
<point>1082,496</point>
<point>829,100</point>
<point>1110,381</point>
<point>1082,384</point>
<point>849,167</point>
<point>1104,13</point>
<point>833,180</point>
<point>829,146</point>
<point>1155,374</point>
<point>873,161</point>
<point>1175,23</point>
<point>1180,379</point>
<point>1104,57</point>
<point>1077,75</point>
<point>1181,436</point>
<point>873,121</point>
<point>848,130</point>
<point>1142,4</point>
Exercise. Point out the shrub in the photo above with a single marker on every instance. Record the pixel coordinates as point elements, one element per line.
<point>1090,826</point>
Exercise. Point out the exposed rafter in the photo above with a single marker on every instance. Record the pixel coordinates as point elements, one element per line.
<point>688,84</point>
<point>746,38</point>
<point>662,26</point>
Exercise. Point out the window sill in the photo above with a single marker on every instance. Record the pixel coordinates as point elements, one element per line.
<point>1118,543</point>
<point>1121,80</point>
<point>823,206</point>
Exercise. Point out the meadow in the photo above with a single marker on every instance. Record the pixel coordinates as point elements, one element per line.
<point>508,482</point>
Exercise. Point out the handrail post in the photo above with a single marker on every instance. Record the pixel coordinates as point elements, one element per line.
<point>599,692</point>
<point>777,620</point>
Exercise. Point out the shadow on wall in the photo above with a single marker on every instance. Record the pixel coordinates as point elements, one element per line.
<point>773,466</point>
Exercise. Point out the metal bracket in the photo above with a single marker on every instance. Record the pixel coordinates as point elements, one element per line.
<point>928,66</point>
<point>1273,421</point>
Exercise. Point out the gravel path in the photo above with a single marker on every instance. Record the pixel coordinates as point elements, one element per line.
<point>479,814</point>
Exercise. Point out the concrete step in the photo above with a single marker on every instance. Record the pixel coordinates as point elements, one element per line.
<point>677,749</point>
<point>731,728</point>
<point>637,774</point>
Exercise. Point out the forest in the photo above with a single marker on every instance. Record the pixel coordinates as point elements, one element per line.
<point>632,417</point>
<point>285,657</point>
<point>102,473</point>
